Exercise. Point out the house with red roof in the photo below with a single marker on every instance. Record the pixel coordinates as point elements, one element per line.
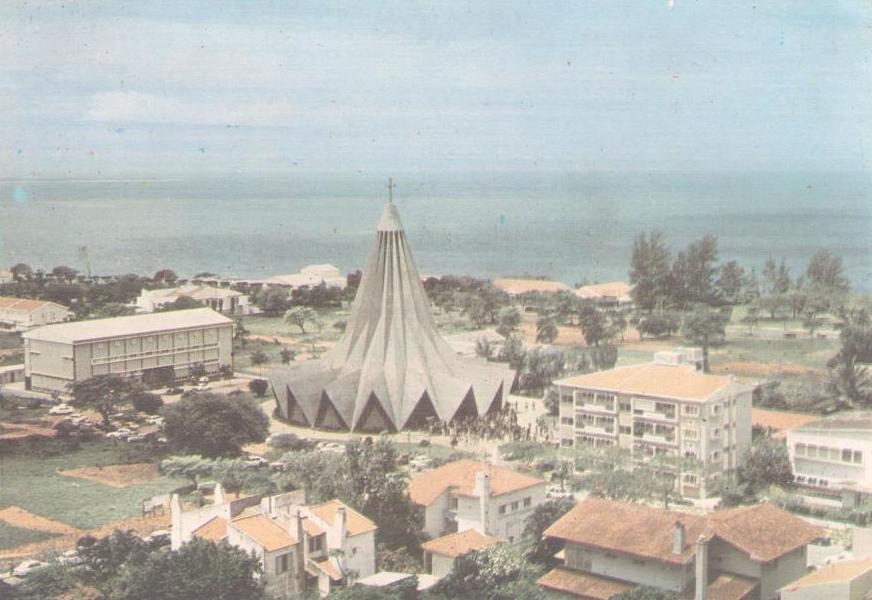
<point>21,314</point>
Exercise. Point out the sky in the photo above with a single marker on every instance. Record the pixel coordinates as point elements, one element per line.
<point>114,90</point>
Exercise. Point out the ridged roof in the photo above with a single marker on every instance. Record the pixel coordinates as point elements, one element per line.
<point>391,361</point>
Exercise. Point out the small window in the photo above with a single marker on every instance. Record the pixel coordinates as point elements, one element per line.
<point>283,563</point>
<point>515,505</point>
<point>528,502</point>
<point>846,456</point>
<point>858,457</point>
<point>502,509</point>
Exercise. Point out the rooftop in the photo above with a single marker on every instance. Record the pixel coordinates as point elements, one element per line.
<point>842,571</point>
<point>424,488</point>
<point>81,331</point>
<point>459,544</point>
<point>763,531</point>
<point>614,289</point>
<point>196,292</point>
<point>726,586</point>
<point>214,530</point>
<point>681,382</point>
<point>265,531</point>
<point>521,286</point>
<point>355,523</point>
<point>780,421</point>
<point>586,585</point>
<point>857,425</point>
<point>25,304</point>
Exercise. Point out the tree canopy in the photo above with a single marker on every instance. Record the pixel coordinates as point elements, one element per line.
<point>103,393</point>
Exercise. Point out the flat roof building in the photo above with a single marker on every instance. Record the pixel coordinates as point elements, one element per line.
<point>159,348</point>
<point>666,408</point>
<point>223,300</point>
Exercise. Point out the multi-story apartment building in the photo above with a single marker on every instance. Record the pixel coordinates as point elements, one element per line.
<point>468,494</point>
<point>301,547</point>
<point>834,453</point>
<point>746,553</point>
<point>159,347</point>
<point>667,408</point>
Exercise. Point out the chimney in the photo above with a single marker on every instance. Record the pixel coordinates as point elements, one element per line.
<point>341,524</point>
<point>301,550</point>
<point>678,538</point>
<point>482,489</point>
<point>701,565</point>
<point>176,520</point>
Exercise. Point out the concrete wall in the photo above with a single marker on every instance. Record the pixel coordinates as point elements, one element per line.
<point>435,521</point>
<point>778,574</point>
<point>49,365</point>
<point>440,565</point>
<point>509,526</point>
<point>627,568</point>
<point>360,554</point>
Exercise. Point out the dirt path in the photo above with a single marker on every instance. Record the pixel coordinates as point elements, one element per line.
<point>18,517</point>
<point>117,476</point>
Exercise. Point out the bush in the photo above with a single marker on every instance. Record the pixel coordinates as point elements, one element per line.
<point>258,387</point>
<point>289,441</point>
<point>146,402</point>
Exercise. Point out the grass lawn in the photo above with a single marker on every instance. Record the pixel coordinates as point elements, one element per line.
<point>242,357</point>
<point>12,537</point>
<point>276,326</point>
<point>32,483</point>
<point>803,351</point>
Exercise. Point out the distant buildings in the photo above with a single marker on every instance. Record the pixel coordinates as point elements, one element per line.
<point>159,348</point>
<point>440,554</point>
<point>743,553</point>
<point>845,580</point>
<point>21,314</point>
<point>468,494</point>
<point>834,453</point>
<point>223,300</point>
<point>391,370</point>
<point>666,408</point>
<point>6,277</point>
<point>607,295</point>
<point>311,276</point>
<point>301,547</point>
<point>516,287</point>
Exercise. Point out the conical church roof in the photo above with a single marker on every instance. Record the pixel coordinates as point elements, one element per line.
<point>391,369</point>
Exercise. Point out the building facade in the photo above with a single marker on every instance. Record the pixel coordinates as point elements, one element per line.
<point>666,409</point>
<point>747,553</point>
<point>158,347</point>
<point>844,580</point>
<point>441,554</point>
<point>833,453</point>
<point>223,300</point>
<point>21,314</point>
<point>468,494</point>
<point>301,548</point>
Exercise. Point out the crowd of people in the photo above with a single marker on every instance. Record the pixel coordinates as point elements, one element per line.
<point>500,426</point>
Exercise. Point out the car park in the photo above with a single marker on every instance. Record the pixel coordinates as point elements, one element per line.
<point>154,419</point>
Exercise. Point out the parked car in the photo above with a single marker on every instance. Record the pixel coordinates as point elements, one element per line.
<point>202,384</point>
<point>154,419</point>
<point>61,409</point>
<point>137,437</point>
<point>173,391</point>
<point>116,435</point>
<point>330,447</point>
<point>27,567</point>
<point>161,537</point>
<point>70,558</point>
<point>254,462</point>
<point>553,492</point>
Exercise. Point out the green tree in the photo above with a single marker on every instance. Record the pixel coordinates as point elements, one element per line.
<point>484,348</point>
<point>199,570</point>
<point>704,326</point>
<point>165,277</point>
<point>603,357</point>
<point>258,359</point>
<point>546,330</point>
<point>731,282</point>
<point>65,273</point>
<point>214,425</point>
<point>181,303</point>
<point>512,351</point>
<point>274,302</point>
<point>776,276</point>
<point>693,273</point>
<point>849,377</point>
<point>258,387</point>
<point>766,463</point>
<point>102,558</point>
<point>21,272</point>
<point>299,316</point>
<point>103,393</point>
<point>649,270</point>
<point>287,355</point>
<point>145,401</point>
<point>825,270</point>
<point>187,466</point>
<point>499,572</point>
<point>593,325</point>
<point>543,517</point>
<point>541,367</point>
<point>751,317</point>
<point>508,321</point>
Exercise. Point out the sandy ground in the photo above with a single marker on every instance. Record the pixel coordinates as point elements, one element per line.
<point>16,431</point>
<point>757,369</point>
<point>117,476</point>
<point>19,517</point>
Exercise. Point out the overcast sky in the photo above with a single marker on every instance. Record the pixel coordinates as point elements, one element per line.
<point>154,89</point>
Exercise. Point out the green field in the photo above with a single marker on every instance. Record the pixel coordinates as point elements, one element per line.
<point>804,351</point>
<point>32,483</point>
<point>12,537</point>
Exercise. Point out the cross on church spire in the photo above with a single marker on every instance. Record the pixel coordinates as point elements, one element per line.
<point>391,187</point>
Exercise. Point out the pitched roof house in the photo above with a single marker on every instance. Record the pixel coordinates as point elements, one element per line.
<point>441,553</point>
<point>22,314</point>
<point>737,554</point>
<point>844,580</point>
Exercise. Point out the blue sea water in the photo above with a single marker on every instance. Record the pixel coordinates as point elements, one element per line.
<point>571,227</point>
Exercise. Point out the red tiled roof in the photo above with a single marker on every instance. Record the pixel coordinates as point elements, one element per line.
<point>265,531</point>
<point>583,585</point>
<point>459,544</point>
<point>25,304</point>
<point>355,522</point>
<point>460,476</point>
<point>215,530</point>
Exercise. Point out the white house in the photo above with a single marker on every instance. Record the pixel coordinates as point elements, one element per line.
<point>440,554</point>
<point>744,553</point>
<point>311,276</point>
<point>21,314</point>
<point>834,453</point>
<point>223,300</point>
<point>844,580</point>
<point>301,547</point>
<point>468,494</point>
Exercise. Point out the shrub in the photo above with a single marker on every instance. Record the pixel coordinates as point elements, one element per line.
<point>146,402</point>
<point>258,387</point>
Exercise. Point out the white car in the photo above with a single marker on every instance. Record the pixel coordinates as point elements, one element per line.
<point>28,567</point>
<point>202,384</point>
<point>154,419</point>
<point>137,437</point>
<point>62,409</point>
<point>161,536</point>
<point>254,461</point>
<point>70,558</point>
<point>116,435</point>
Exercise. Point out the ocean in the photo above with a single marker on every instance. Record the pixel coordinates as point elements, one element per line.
<point>571,227</point>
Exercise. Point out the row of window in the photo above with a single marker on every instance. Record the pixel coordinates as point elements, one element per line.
<point>152,353</point>
<point>845,455</point>
<point>511,507</point>
<point>812,481</point>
